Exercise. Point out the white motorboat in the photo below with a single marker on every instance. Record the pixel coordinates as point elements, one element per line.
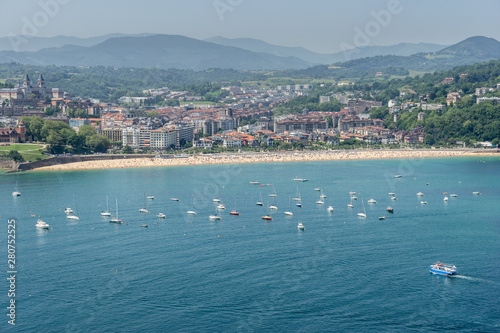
<point>330,209</point>
<point>300,226</point>
<point>150,197</point>
<point>420,194</point>
<point>423,202</point>
<point>175,199</point>
<point>273,207</point>
<point>221,207</point>
<point>320,202</point>
<point>398,176</point>
<point>41,225</point>
<point>453,195</point>
<point>372,201</point>
<point>300,179</point>
<point>68,210</point>
<point>161,216</point>
<point>445,198</point>
<point>215,217</point>
<point>16,192</point>
<point>254,182</point>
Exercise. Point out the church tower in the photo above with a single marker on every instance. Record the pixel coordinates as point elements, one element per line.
<point>41,86</point>
<point>26,81</point>
<point>26,86</point>
<point>41,81</point>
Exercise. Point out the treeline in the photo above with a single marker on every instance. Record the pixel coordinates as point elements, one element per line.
<point>110,83</point>
<point>64,139</point>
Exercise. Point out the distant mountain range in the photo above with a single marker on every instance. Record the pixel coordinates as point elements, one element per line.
<point>256,45</point>
<point>33,44</point>
<point>173,51</point>
<point>162,51</point>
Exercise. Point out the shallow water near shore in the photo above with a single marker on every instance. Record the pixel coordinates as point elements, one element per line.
<point>243,274</point>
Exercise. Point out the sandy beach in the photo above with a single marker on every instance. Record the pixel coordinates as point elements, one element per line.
<point>267,157</point>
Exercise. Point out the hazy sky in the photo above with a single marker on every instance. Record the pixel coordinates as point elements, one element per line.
<point>319,25</point>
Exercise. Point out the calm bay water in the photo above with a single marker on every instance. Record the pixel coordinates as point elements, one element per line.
<point>243,274</point>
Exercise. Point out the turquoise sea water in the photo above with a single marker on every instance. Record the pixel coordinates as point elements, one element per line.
<point>242,274</point>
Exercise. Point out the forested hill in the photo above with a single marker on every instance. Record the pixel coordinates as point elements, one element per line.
<point>463,120</point>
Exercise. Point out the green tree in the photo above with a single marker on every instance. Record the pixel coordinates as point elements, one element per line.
<point>49,126</point>
<point>56,142</point>
<point>14,154</point>
<point>35,128</point>
<point>98,143</point>
<point>429,140</point>
<point>127,150</point>
<point>49,111</point>
<point>86,131</point>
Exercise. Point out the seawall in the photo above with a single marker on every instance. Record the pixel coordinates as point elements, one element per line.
<point>25,166</point>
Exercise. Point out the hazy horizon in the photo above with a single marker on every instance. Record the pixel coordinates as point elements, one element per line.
<point>318,26</point>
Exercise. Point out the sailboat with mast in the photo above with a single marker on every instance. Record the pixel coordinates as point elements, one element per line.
<point>106,212</point>
<point>191,212</point>
<point>363,215</point>
<point>350,205</point>
<point>72,215</point>
<point>234,212</point>
<point>297,198</point>
<point>217,193</point>
<point>273,195</point>
<point>116,219</point>
<point>260,203</point>
<point>289,211</point>
<point>144,209</point>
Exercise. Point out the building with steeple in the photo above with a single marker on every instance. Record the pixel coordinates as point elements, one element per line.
<point>25,90</point>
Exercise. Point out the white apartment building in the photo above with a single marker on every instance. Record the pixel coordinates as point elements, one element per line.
<point>131,137</point>
<point>163,138</point>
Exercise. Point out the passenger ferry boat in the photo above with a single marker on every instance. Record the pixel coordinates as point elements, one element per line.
<point>443,269</point>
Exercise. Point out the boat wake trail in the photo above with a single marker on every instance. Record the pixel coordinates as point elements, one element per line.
<point>472,279</point>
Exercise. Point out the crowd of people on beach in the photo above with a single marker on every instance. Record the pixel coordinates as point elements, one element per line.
<point>262,157</point>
